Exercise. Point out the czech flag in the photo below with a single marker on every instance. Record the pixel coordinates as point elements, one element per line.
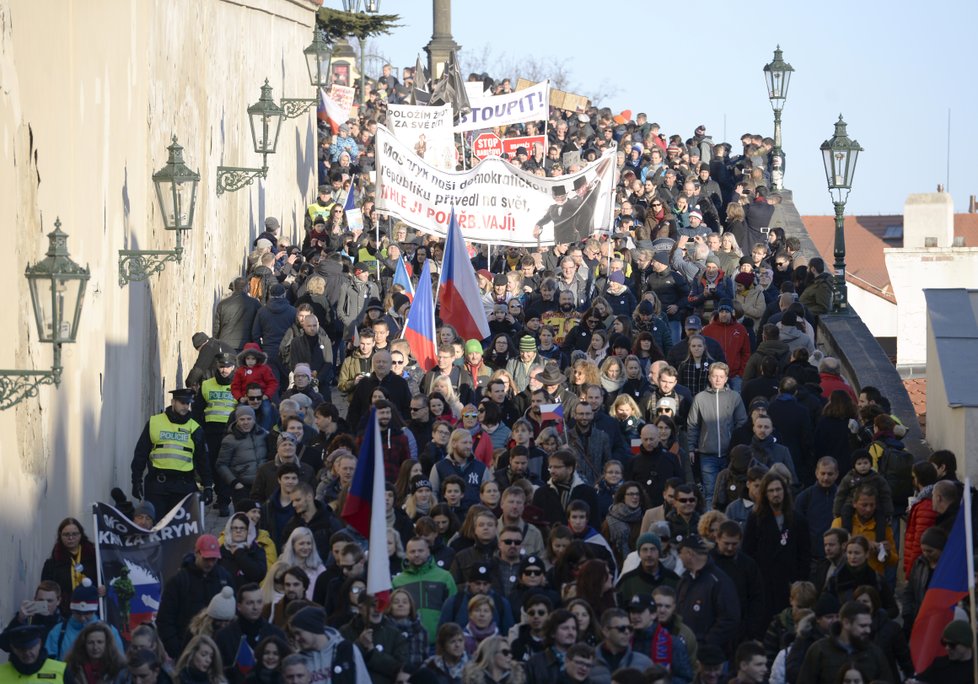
<point>403,278</point>
<point>354,215</point>
<point>419,329</point>
<point>458,291</point>
<point>244,661</point>
<point>948,585</point>
<point>552,412</point>
<point>365,511</point>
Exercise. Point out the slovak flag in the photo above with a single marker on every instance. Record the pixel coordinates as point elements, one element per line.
<point>458,291</point>
<point>365,511</point>
<point>419,329</point>
<point>354,214</point>
<point>948,585</point>
<point>403,278</point>
<point>244,660</point>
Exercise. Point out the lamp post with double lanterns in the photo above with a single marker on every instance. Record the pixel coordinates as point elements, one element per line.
<point>265,117</point>
<point>176,194</point>
<point>839,155</point>
<point>57,287</point>
<point>368,7</point>
<point>777,75</point>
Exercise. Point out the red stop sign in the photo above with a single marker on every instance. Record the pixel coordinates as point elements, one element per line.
<point>487,145</point>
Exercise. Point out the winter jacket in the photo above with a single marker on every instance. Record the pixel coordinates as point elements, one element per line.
<point>261,373</point>
<point>266,480</point>
<point>774,348</point>
<point>323,524</point>
<point>204,366</point>
<point>430,587</point>
<point>395,386</point>
<point>716,622</point>
<point>593,451</point>
<point>814,504</point>
<point>338,662</point>
<point>752,301</point>
<point>241,454</point>
<point>796,339</point>
<point>775,453</point>
<point>352,301</point>
<point>456,609</point>
<point>671,288</point>
<point>922,515</point>
<point>184,595</point>
<point>817,295</point>
<point>651,470</point>
<point>472,471</point>
<point>830,382</point>
<point>234,317</point>
<point>735,341</point>
<point>712,417</point>
<point>808,633</point>
<point>228,640</point>
<point>58,569</point>
<point>552,500</point>
<point>751,591</point>
<point>61,638</point>
<point>852,480</point>
<point>245,564</point>
<point>601,672</point>
<point>354,365</point>
<point>639,582</point>
<point>390,651</point>
<point>783,554</point>
<point>271,323</point>
<point>296,349</point>
<point>827,656</point>
<point>913,591</point>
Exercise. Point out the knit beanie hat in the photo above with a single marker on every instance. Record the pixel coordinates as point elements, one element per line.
<point>827,604</point>
<point>222,606</point>
<point>527,343</point>
<point>302,369</point>
<point>473,346</point>
<point>934,537</point>
<point>244,410</point>
<point>310,619</point>
<point>84,599</point>
<point>648,538</point>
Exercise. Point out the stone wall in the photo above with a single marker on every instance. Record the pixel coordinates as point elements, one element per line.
<point>90,93</point>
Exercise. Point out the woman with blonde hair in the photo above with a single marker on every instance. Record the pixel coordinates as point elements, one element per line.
<point>612,377</point>
<point>300,549</point>
<point>629,417</point>
<point>507,378</point>
<point>443,386</point>
<point>481,624</point>
<point>584,372</point>
<point>709,525</point>
<point>200,663</point>
<point>493,663</point>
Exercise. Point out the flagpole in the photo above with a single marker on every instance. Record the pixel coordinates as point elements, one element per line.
<point>969,547</point>
<point>98,568</point>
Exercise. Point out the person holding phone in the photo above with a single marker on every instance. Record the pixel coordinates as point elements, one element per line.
<point>42,610</point>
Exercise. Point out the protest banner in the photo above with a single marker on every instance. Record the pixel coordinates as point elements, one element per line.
<point>536,146</point>
<point>495,202</point>
<point>426,130</point>
<point>559,98</point>
<point>487,145</point>
<point>134,563</point>
<point>532,104</point>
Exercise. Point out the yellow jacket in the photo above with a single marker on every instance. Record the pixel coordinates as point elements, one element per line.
<point>868,529</point>
<point>51,672</point>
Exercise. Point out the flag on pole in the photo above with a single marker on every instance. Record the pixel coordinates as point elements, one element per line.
<point>948,585</point>
<point>403,278</point>
<point>354,214</point>
<point>365,511</point>
<point>419,329</point>
<point>335,106</point>
<point>552,412</point>
<point>244,660</point>
<point>458,291</point>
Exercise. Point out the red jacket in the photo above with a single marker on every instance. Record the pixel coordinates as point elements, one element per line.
<point>921,516</point>
<point>830,383</point>
<point>734,340</point>
<point>260,373</point>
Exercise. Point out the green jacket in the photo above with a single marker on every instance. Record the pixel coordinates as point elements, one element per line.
<point>827,656</point>
<point>430,587</point>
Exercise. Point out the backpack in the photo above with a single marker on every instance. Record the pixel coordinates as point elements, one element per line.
<point>256,287</point>
<point>896,466</point>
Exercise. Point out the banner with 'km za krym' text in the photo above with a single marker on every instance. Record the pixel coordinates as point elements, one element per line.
<point>495,202</point>
<point>134,562</point>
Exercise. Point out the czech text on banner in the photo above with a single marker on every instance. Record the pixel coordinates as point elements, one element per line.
<point>531,104</point>
<point>134,563</point>
<point>427,131</point>
<point>495,202</point>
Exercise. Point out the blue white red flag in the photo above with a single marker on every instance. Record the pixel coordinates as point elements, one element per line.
<point>244,660</point>
<point>458,291</point>
<point>403,278</point>
<point>365,511</point>
<point>354,214</point>
<point>948,585</point>
<point>419,329</point>
<point>552,412</point>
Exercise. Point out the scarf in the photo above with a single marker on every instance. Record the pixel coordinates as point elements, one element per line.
<point>620,519</point>
<point>480,634</point>
<point>93,672</point>
<point>454,671</point>
<point>661,653</point>
<point>611,386</point>
<point>420,508</point>
<point>26,670</point>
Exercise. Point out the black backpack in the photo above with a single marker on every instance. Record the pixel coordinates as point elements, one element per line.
<point>896,466</point>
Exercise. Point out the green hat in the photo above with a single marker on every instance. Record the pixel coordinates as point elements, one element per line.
<point>473,346</point>
<point>958,632</point>
<point>527,343</point>
<point>648,538</point>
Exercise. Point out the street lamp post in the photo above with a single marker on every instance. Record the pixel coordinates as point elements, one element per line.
<point>318,55</point>
<point>176,193</point>
<point>777,74</point>
<point>265,117</point>
<point>57,287</point>
<point>367,7</point>
<point>839,155</point>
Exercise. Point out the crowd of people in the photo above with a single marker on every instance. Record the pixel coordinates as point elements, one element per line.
<point>648,472</point>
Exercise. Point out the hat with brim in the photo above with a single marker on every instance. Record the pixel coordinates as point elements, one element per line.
<point>695,543</point>
<point>551,376</point>
<point>21,637</point>
<point>185,395</point>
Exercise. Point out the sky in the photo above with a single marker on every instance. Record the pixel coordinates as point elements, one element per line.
<point>892,69</point>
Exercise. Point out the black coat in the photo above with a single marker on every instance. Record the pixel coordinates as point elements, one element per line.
<point>204,366</point>
<point>397,389</point>
<point>783,556</point>
<point>184,595</point>
<point>746,576</point>
<point>651,470</point>
<point>228,639</point>
<point>57,568</point>
<point>246,565</point>
<point>547,500</point>
<point>234,318</point>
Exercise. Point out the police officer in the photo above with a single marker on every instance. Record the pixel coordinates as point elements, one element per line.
<point>172,446</point>
<point>29,663</point>
<point>321,207</point>
<point>213,411</point>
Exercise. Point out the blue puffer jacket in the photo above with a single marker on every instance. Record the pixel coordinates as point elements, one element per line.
<point>271,323</point>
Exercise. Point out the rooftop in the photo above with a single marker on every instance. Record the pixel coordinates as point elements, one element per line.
<point>866,238</point>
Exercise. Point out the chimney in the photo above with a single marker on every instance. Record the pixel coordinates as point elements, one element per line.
<point>928,215</point>
<point>972,208</point>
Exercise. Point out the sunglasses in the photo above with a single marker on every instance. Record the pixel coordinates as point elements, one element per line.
<point>470,415</point>
<point>533,573</point>
<point>254,398</point>
<point>687,500</point>
<point>397,363</point>
<point>512,542</point>
<point>537,613</point>
<point>623,629</point>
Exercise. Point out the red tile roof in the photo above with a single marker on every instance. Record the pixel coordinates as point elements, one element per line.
<point>865,266</point>
<point>917,389</point>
